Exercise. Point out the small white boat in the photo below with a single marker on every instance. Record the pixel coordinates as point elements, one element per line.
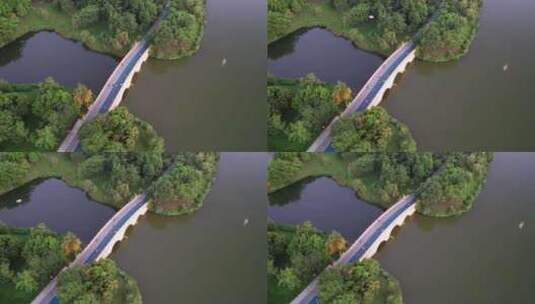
<point>245,222</point>
<point>505,67</point>
<point>224,62</point>
<point>19,201</point>
<point>521,225</point>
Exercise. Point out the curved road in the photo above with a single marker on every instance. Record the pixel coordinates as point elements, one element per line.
<point>366,95</point>
<point>94,249</point>
<point>356,252</point>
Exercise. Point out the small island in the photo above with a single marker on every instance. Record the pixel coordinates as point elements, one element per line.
<point>107,26</point>
<point>443,30</point>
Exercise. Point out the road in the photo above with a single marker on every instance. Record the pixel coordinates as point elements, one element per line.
<point>356,252</point>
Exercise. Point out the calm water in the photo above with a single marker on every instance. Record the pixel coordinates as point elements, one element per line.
<point>474,104</point>
<point>324,203</point>
<point>37,56</point>
<point>210,256</point>
<point>59,206</point>
<point>200,104</point>
<point>481,257</point>
<point>318,51</point>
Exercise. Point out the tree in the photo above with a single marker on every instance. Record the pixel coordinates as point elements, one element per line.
<point>83,97</point>
<point>26,282</point>
<point>45,139</point>
<point>341,94</point>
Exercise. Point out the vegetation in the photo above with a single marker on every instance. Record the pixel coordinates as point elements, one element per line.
<point>181,32</point>
<point>296,256</point>
<point>186,184</point>
<point>363,282</point>
<point>99,282</point>
<point>29,258</point>
<point>378,26</point>
<point>300,109</point>
<point>445,183</point>
<point>119,131</point>
<point>111,178</point>
<point>454,188</point>
<point>371,131</point>
<point>37,117</point>
<point>449,35</point>
<point>109,26</point>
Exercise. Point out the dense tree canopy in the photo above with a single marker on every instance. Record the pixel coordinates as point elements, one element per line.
<point>300,109</point>
<point>100,282</point>
<point>372,130</point>
<point>363,282</point>
<point>297,256</point>
<point>35,116</point>
<point>30,257</point>
<point>181,31</point>
<point>10,13</point>
<point>119,131</point>
<point>185,185</point>
<point>449,35</point>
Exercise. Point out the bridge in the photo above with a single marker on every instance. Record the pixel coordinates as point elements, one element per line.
<point>373,91</point>
<point>367,244</point>
<point>113,91</point>
<point>102,244</point>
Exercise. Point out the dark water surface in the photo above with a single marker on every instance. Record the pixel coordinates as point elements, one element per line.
<point>319,51</point>
<point>475,104</point>
<point>36,56</point>
<point>200,104</point>
<point>482,257</point>
<point>213,255</point>
<point>59,206</point>
<point>324,203</point>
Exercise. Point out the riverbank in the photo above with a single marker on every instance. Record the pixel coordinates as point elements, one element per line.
<point>445,184</point>
<point>322,14</point>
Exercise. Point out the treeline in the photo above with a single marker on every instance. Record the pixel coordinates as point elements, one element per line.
<point>393,20</point>
<point>10,13</point>
<point>445,183</point>
<point>185,185</point>
<point>30,257</point>
<point>98,282</point>
<point>449,35</point>
<point>371,131</point>
<point>297,255</point>
<point>119,131</point>
<point>300,109</point>
<point>363,282</point>
<point>124,21</point>
<point>455,187</point>
<point>181,31</point>
<point>280,13</point>
<point>37,117</point>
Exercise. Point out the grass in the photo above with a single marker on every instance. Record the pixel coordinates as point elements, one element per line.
<point>278,294</point>
<point>322,14</point>
<point>9,294</point>
<point>47,17</point>
<point>65,167</point>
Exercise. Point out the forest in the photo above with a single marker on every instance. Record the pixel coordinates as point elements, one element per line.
<point>185,185</point>
<point>372,130</point>
<point>98,282</point>
<point>109,26</point>
<point>443,30</point>
<point>296,256</point>
<point>37,117</point>
<point>29,257</point>
<point>119,131</point>
<point>300,109</point>
<point>445,184</point>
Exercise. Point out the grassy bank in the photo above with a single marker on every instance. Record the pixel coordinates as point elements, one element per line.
<point>320,13</point>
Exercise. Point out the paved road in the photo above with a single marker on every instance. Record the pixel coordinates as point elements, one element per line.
<point>366,95</point>
<point>96,246</point>
<point>104,101</point>
<point>355,253</point>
